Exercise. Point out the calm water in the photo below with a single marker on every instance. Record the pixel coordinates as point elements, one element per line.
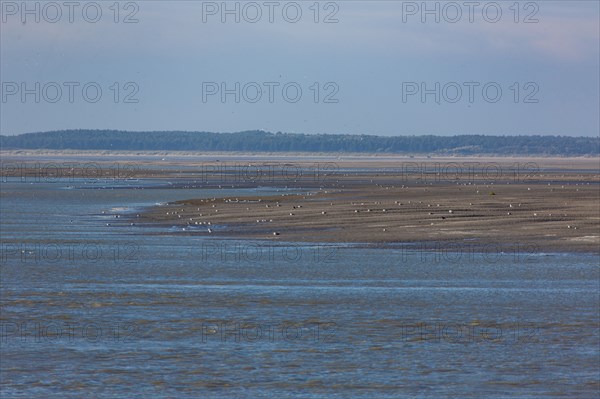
<point>92,306</point>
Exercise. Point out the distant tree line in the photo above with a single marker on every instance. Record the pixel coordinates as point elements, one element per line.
<point>261,141</point>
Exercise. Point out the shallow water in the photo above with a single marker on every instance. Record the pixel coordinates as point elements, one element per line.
<point>119,311</point>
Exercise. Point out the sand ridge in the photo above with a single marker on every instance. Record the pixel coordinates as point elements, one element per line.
<point>552,211</point>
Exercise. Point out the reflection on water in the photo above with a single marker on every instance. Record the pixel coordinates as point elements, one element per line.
<point>93,306</point>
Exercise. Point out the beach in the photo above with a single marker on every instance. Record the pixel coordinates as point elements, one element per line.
<point>541,204</point>
<point>536,204</point>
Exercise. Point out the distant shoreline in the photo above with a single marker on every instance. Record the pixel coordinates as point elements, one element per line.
<point>301,155</point>
<point>260,141</point>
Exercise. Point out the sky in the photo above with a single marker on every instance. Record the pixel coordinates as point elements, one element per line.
<point>359,67</point>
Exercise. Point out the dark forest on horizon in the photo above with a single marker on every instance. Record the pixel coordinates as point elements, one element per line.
<point>261,141</point>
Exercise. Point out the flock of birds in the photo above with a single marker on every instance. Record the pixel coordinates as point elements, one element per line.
<point>358,207</point>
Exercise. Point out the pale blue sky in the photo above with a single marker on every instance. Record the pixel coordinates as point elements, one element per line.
<point>374,50</point>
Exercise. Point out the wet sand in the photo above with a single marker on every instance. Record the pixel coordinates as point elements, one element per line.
<point>553,206</point>
<point>550,204</point>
